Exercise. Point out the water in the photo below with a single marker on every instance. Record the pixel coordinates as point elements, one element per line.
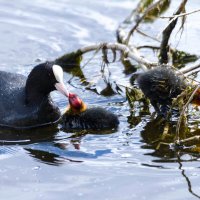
<point>50,163</point>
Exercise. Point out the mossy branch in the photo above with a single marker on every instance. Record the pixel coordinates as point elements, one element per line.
<point>70,60</point>
<point>182,114</point>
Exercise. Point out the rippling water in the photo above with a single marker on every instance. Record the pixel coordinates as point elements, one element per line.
<point>53,164</point>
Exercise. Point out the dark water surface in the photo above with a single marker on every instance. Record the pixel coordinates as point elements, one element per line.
<point>53,164</point>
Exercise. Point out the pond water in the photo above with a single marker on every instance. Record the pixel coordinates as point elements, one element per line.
<point>50,163</point>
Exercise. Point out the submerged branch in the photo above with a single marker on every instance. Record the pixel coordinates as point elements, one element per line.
<point>194,139</point>
<point>177,138</point>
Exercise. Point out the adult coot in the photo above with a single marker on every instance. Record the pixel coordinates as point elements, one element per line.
<point>25,102</point>
<point>78,116</point>
<point>161,85</point>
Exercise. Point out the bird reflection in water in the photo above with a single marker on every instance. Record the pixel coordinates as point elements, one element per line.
<point>47,146</point>
<point>155,137</point>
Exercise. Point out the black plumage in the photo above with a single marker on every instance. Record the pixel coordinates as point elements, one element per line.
<point>92,118</point>
<point>25,102</point>
<point>161,85</point>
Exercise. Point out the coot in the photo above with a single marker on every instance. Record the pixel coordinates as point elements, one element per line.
<point>25,102</point>
<point>161,85</point>
<point>78,116</point>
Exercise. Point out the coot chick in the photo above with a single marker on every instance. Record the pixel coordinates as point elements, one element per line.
<point>161,85</point>
<point>25,102</point>
<point>81,117</point>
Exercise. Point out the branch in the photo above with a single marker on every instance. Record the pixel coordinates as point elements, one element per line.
<point>144,34</point>
<point>177,138</point>
<point>180,15</point>
<point>129,52</point>
<point>167,33</point>
<point>194,139</point>
<point>139,20</point>
<point>187,69</point>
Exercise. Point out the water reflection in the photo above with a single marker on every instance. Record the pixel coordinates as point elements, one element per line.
<point>187,179</point>
<point>46,146</point>
<point>155,138</point>
<point>22,137</point>
<point>54,155</point>
<point>38,34</point>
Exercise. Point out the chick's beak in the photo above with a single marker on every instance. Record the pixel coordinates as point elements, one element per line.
<point>62,88</point>
<point>75,101</point>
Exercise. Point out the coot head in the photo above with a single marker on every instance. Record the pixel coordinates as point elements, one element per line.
<point>76,105</point>
<point>42,80</point>
<point>78,116</point>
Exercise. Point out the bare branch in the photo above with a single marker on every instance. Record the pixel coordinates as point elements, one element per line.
<point>193,67</point>
<point>167,33</point>
<point>139,20</point>
<point>194,139</point>
<point>182,114</point>
<point>130,52</point>
<point>180,15</point>
<point>144,34</point>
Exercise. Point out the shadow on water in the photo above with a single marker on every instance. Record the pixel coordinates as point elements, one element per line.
<point>44,144</point>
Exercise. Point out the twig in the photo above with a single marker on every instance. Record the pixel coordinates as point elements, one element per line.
<point>144,34</point>
<point>195,139</point>
<point>167,33</point>
<point>139,20</point>
<point>191,68</point>
<point>177,138</point>
<point>121,34</point>
<point>148,47</point>
<point>131,53</point>
<point>193,73</point>
<point>180,15</point>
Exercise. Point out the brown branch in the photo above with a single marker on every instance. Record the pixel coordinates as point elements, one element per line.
<point>177,138</point>
<point>193,67</point>
<point>130,52</point>
<point>139,20</point>
<point>167,33</point>
<point>194,139</point>
<point>144,34</point>
<point>148,47</point>
<point>180,15</point>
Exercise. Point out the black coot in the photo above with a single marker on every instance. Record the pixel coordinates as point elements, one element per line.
<point>161,85</point>
<point>81,117</point>
<point>25,102</point>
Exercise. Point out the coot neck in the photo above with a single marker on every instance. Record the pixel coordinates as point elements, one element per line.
<point>39,84</point>
<point>34,96</point>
